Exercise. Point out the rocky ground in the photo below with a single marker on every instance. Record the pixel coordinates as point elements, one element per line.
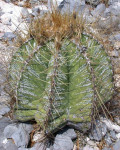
<point>13,18</point>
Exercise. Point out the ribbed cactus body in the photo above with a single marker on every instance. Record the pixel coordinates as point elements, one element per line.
<point>58,84</point>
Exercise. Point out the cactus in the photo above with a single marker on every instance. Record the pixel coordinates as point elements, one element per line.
<point>60,78</point>
<point>56,85</point>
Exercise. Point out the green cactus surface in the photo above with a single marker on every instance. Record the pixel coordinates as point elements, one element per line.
<point>56,85</point>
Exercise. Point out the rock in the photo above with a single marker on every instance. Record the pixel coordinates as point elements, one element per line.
<point>119,26</point>
<point>117,37</point>
<point>105,148</point>
<point>24,13</point>
<point>21,137</point>
<point>7,1</point>
<point>27,127</point>
<point>73,5</point>
<point>111,2</point>
<point>10,145</point>
<point>99,10</point>
<point>3,123</point>
<point>109,22</point>
<point>21,3</point>
<point>93,2</point>
<point>70,133</point>
<point>6,19</point>
<point>39,10</point>
<point>118,136</point>
<point>37,136</point>
<point>114,53</point>
<point>115,9</point>
<point>106,12</point>
<point>62,143</point>
<point>67,5</point>
<point>87,147</point>
<point>91,143</point>
<point>4,110</point>
<point>108,140</point>
<point>99,130</point>
<point>55,3</point>
<point>19,133</point>
<point>10,130</point>
<point>8,36</point>
<point>38,146</point>
<point>110,125</point>
<point>113,135</point>
<point>116,146</point>
<point>33,2</point>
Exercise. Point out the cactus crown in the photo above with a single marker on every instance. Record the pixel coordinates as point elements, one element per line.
<point>60,74</point>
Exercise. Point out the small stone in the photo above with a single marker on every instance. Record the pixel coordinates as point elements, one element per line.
<point>113,135</point>
<point>99,130</point>
<point>117,45</point>
<point>111,2</point>
<point>8,36</point>
<point>119,26</point>
<point>7,1</point>
<point>27,127</point>
<point>62,143</point>
<point>91,143</point>
<point>117,37</point>
<point>115,9</point>
<point>21,3</point>
<point>108,140</point>
<point>93,2</point>
<point>70,133</point>
<point>105,148</point>
<point>21,137</point>
<point>110,125</point>
<point>6,19</point>
<point>99,10</point>
<point>37,136</point>
<point>25,148</point>
<point>38,146</point>
<point>87,147</point>
<point>117,70</point>
<point>118,136</point>
<point>9,145</point>
<point>114,53</point>
<point>24,13</point>
<point>4,110</point>
<point>116,146</point>
<point>109,22</point>
<point>10,130</point>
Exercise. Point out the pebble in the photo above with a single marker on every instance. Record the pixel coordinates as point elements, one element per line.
<point>87,147</point>
<point>4,110</point>
<point>99,130</point>
<point>116,146</point>
<point>110,125</point>
<point>93,2</point>
<point>9,145</point>
<point>21,138</point>
<point>19,133</point>
<point>24,13</point>
<point>10,130</point>
<point>6,19</point>
<point>118,135</point>
<point>62,143</point>
<point>8,36</point>
<point>99,10</point>
<point>113,135</point>
<point>108,140</point>
<point>115,9</point>
<point>70,133</point>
